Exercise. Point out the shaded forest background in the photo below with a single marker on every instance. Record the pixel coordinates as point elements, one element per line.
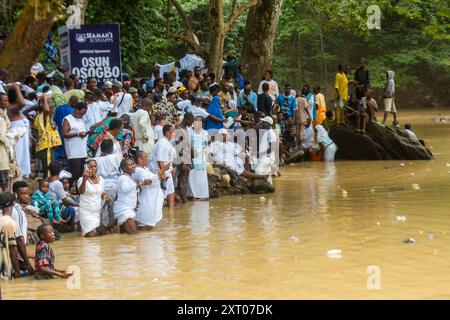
<point>312,37</point>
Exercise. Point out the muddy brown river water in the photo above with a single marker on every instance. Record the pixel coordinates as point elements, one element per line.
<point>276,247</point>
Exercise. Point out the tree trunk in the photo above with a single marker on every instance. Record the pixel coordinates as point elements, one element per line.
<point>217,40</point>
<point>28,37</point>
<point>83,10</point>
<point>257,54</point>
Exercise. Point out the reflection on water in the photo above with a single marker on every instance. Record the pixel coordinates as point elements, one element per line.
<point>276,246</point>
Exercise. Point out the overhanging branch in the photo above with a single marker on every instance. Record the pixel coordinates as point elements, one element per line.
<point>237,12</point>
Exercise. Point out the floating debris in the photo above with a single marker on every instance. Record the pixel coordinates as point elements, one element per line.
<point>378,224</point>
<point>410,240</point>
<point>402,164</point>
<point>415,186</point>
<point>413,174</point>
<point>448,164</point>
<point>262,199</point>
<point>156,280</point>
<point>431,236</point>
<point>372,190</point>
<point>334,253</point>
<point>344,193</point>
<point>401,218</point>
<point>293,238</point>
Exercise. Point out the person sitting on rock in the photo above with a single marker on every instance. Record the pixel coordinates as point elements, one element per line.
<point>351,111</point>
<point>229,154</point>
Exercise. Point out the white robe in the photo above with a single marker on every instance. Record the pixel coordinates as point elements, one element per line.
<point>91,205</point>
<point>151,199</point>
<point>126,201</point>
<point>227,154</point>
<point>143,127</point>
<point>22,146</point>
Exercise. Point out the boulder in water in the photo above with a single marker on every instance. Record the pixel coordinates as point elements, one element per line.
<point>379,143</point>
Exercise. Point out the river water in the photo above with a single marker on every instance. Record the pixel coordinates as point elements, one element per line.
<point>276,247</point>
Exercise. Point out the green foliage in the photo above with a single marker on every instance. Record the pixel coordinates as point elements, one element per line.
<point>143,42</point>
<point>413,41</point>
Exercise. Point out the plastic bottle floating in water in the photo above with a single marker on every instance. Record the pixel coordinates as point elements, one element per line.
<point>415,186</point>
<point>401,218</point>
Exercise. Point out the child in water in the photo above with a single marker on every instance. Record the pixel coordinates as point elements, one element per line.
<point>45,258</point>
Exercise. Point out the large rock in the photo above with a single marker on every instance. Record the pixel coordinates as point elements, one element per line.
<point>225,182</point>
<point>379,143</point>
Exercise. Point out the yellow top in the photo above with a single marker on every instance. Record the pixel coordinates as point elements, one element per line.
<point>322,108</point>
<point>342,85</point>
<point>48,137</point>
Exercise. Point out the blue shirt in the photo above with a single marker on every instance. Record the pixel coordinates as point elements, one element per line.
<point>214,109</point>
<point>288,105</point>
<point>60,113</point>
<point>252,97</point>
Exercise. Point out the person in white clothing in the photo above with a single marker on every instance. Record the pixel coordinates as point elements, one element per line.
<point>108,167</point>
<point>143,129</point>
<point>126,202</point>
<point>151,197</point>
<point>230,154</point>
<point>198,177</point>
<point>326,143</point>
<point>162,163</point>
<point>91,187</point>
<point>75,140</point>
<point>97,110</point>
<point>122,101</point>
<point>267,149</point>
<point>274,90</point>
<point>157,130</point>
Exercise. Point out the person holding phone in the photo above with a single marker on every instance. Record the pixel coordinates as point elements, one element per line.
<point>75,135</point>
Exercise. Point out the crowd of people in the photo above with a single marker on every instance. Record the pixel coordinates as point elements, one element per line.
<point>101,159</point>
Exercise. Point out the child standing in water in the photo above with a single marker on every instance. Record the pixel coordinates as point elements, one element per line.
<point>45,258</point>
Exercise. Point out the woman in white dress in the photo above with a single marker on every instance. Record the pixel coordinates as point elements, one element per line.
<point>198,178</point>
<point>126,202</point>
<point>151,197</point>
<point>91,187</point>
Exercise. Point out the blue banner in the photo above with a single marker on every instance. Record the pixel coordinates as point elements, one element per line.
<point>95,52</point>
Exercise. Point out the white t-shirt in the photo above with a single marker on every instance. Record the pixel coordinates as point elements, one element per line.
<point>269,136</point>
<point>165,152</point>
<point>96,112</point>
<point>273,87</point>
<point>76,147</point>
<point>19,217</point>
<point>158,132</point>
<point>56,191</point>
<point>123,105</point>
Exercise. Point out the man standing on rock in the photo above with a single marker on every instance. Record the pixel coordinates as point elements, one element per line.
<point>389,98</point>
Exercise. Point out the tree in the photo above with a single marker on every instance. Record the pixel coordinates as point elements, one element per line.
<point>28,36</point>
<point>260,30</point>
<point>219,27</point>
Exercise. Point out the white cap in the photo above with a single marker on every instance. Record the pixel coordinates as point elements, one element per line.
<point>108,84</point>
<point>268,120</point>
<point>232,104</point>
<point>172,90</point>
<point>223,131</point>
